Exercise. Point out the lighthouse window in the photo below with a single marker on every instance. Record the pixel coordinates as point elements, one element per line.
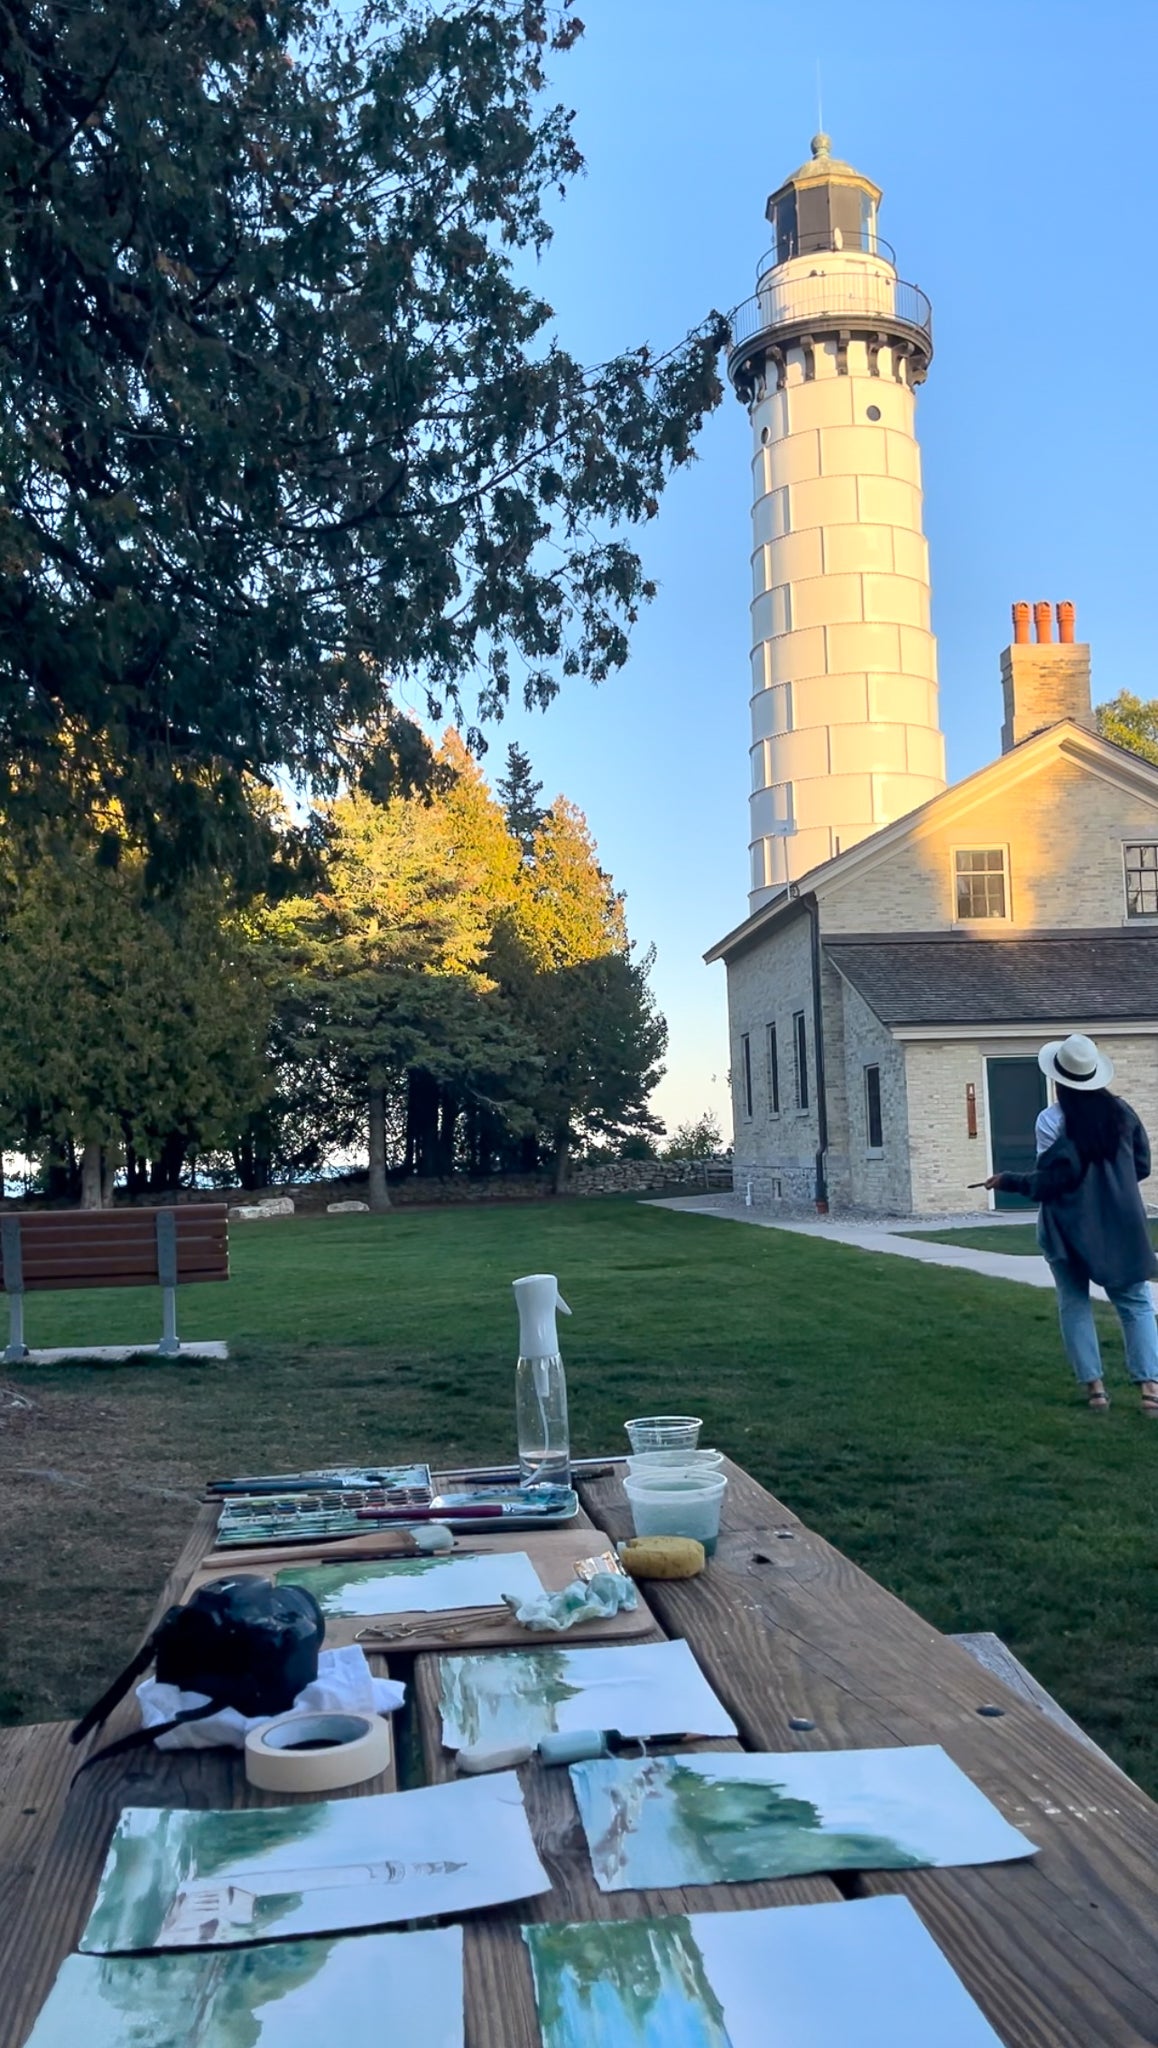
<point>979,876</point>
<point>874,412</point>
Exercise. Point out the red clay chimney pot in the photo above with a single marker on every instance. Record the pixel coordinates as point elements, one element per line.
<point>1020,624</point>
<point>1065,623</point>
<point>1043,622</point>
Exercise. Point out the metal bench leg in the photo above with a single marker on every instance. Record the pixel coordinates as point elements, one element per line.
<point>167,1275</point>
<point>169,1346</point>
<point>17,1348</point>
<point>14,1284</point>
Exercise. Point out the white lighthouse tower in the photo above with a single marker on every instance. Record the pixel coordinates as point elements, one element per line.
<point>827,357</point>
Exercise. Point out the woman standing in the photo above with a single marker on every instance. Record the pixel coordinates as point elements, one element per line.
<point>1092,1153</point>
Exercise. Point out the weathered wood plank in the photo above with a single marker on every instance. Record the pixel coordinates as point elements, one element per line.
<point>500,2001</point>
<point>988,1649</point>
<point>1059,1951</point>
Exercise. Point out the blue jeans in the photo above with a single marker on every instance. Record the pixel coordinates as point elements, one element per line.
<point>1076,1316</point>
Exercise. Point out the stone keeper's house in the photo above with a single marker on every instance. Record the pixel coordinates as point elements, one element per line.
<point>886,1009</point>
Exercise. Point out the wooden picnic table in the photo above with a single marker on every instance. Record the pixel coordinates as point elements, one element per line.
<point>806,1652</point>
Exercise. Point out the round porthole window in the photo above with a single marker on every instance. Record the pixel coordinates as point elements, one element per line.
<point>765,436</point>
<point>874,412</point>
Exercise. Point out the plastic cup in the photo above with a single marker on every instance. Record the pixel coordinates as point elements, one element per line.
<point>643,1462</point>
<point>664,1432</point>
<point>681,1504</point>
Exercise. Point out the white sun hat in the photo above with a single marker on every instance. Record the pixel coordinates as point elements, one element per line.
<point>1076,1062</point>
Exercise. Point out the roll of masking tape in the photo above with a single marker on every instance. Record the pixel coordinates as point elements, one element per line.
<point>316,1752</point>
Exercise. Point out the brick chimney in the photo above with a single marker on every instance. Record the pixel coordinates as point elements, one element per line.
<point>1044,680</point>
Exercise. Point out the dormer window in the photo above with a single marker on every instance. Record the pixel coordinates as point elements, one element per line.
<point>980,883</point>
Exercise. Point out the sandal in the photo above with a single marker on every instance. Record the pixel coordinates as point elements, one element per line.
<point>1099,1402</point>
<point>1150,1397</point>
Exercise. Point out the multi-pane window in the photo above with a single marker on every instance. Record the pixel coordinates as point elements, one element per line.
<point>872,1109</point>
<point>746,1072</point>
<point>1142,880</point>
<point>800,1049</point>
<point>773,1073</point>
<point>980,882</point>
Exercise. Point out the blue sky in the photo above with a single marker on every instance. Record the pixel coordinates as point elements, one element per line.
<point>1014,147</point>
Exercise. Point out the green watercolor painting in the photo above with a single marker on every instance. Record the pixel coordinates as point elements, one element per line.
<point>416,1585</point>
<point>863,1973</point>
<point>218,1878</point>
<point>284,1995</point>
<point>735,1819</point>
<point>513,1698</point>
<point>625,1983</point>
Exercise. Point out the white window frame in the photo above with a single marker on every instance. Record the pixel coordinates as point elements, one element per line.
<point>872,1151</point>
<point>1143,917</point>
<point>982,846</point>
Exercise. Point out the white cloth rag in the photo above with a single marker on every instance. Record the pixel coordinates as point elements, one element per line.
<point>344,1684</point>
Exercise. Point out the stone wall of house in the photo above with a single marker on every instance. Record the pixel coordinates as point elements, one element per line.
<point>880,1181</point>
<point>774,1149</point>
<point>945,1159</point>
<point>1064,829</point>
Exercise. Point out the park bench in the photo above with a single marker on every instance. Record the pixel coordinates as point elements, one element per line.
<point>49,1251</point>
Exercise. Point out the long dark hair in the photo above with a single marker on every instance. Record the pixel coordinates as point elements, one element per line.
<point>1095,1120</point>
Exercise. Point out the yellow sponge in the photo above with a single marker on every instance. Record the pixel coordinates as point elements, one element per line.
<point>662,1557</point>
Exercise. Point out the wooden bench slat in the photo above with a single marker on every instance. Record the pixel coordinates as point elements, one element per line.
<point>65,1250</point>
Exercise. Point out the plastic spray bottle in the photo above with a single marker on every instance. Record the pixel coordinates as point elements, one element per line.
<point>540,1385</point>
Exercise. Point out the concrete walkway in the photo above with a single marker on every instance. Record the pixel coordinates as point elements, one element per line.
<point>884,1234</point>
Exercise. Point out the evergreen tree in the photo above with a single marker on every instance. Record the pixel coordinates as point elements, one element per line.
<point>130,1027</point>
<point>280,425</point>
<point>518,792</point>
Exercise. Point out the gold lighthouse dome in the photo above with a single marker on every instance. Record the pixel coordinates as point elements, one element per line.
<point>825,205</point>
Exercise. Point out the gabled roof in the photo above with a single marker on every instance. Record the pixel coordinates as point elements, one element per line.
<point>951,978</point>
<point>1066,740</point>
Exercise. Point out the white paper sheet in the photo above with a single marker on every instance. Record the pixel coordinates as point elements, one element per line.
<point>638,1688</point>
<point>864,1974</point>
<point>190,1880</point>
<point>416,1585</point>
<point>729,1819</point>
<point>288,1994</point>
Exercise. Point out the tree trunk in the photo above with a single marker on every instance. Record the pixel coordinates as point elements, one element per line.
<point>109,1164</point>
<point>379,1192</point>
<point>562,1156</point>
<point>90,1175</point>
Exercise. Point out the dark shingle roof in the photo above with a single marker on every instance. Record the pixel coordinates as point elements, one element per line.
<point>1099,977</point>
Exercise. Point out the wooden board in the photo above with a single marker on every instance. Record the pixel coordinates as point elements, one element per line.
<point>553,1552</point>
<point>1059,1952</point>
<point>73,1248</point>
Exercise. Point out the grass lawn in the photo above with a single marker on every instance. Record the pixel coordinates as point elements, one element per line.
<point>922,1418</point>
<point>1019,1239</point>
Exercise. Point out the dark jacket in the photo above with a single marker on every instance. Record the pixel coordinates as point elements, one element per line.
<point>1093,1217</point>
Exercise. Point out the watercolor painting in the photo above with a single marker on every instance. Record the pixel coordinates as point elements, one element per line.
<point>731,1819</point>
<point>209,1880</point>
<point>288,1994</point>
<point>416,1585</point>
<point>861,1974</point>
<point>638,1688</point>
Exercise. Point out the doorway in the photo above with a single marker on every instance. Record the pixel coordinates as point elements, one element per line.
<point>1016,1093</point>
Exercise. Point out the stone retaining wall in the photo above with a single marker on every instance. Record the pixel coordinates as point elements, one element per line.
<point>619,1177</point>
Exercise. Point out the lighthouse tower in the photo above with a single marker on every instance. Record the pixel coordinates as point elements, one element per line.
<point>827,358</point>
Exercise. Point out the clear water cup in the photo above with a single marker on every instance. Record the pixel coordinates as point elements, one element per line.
<point>643,1462</point>
<point>680,1503</point>
<point>664,1432</point>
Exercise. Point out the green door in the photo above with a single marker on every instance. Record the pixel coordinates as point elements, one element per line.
<point>1017,1092</point>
